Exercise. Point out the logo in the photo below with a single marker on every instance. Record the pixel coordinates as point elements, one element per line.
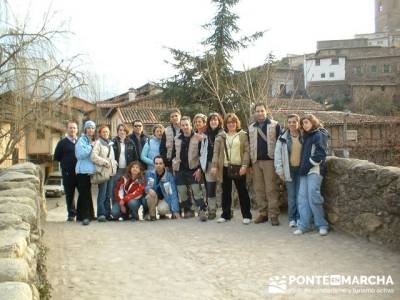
<point>277,284</point>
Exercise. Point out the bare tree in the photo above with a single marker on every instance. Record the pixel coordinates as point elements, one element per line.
<point>32,74</point>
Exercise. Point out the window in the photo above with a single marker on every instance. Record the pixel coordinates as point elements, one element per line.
<point>358,70</point>
<point>374,69</point>
<point>40,135</point>
<point>335,61</point>
<point>331,74</point>
<point>387,68</point>
<point>322,75</point>
<point>317,62</point>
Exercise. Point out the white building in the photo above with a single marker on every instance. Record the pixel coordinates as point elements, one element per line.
<point>324,69</point>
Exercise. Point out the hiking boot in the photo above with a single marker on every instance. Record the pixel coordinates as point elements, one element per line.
<point>188,214</point>
<point>274,221</point>
<point>176,216</point>
<point>102,219</point>
<point>261,219</point>
<point>203,215</point>
<point>212,215</point>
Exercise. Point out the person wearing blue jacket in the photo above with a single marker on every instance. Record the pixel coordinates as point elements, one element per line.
<point>311,170</point>
<point>161,191</point>
<point>152,147</point>
<point>84,168</point>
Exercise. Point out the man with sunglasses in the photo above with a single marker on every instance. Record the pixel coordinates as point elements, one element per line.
<point>137,136</point>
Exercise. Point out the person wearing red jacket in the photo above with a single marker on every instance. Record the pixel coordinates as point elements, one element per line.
<point>129,192</point>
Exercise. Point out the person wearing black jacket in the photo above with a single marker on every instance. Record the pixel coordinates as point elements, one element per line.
<point>65,154</point>
<point>312,169</point>
<point>138,137</point>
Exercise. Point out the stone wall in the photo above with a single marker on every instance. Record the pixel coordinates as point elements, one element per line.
<point>22,213</point>
<point>363,199</point>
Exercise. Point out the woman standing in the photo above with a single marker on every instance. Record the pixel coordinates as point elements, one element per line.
<point>214,127</point>
<point>103,157</point>
<point>287,162</point>
<point>231,150</point>
<point>129,192</point>
<point>312,168</point>
<point>151,148</point>
<point>85,168</point>
<point>125,153</point>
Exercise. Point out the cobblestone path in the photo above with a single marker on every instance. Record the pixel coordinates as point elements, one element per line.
<point>186,259</point>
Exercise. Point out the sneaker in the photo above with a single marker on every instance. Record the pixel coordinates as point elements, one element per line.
<point>222,220</point>
<point>102,219</point>
<point>85,222</point>
<point>261,219</point>
<point>274,221</point>
<point>298,232</point>
<point>203,215</point>
<point>292,224</point>
<point>246,221</point>
<point>323,231</point>
<point>121,219</point>
<point>70,219</point>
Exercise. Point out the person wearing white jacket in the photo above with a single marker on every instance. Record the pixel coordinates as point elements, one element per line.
<point>105,163</point>
<point>287,162</point>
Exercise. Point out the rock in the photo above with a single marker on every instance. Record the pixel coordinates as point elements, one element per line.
<point>27,168</point>
<point>15,291</point>
<point>27,213</point>
<point>16,176</point>
<point>368,221</point>
<point>19,199</point>
<point>9,185</point>
<point>333,218</point>
<point>9,220</point>
<point>13,269</point>
<point>13,243</point>
<point>17,192</point>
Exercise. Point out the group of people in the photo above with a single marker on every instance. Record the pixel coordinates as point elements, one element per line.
<point>176,171</point>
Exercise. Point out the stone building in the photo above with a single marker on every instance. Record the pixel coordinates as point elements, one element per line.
<point>144,103</point>
<point>360,69</point>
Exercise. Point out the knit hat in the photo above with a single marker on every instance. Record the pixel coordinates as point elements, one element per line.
<point>89,124</point>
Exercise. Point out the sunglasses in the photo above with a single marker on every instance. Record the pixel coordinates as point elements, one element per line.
<point>137,125</point>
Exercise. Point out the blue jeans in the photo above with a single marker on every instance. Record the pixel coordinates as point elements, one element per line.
<point>292,188</point>
<point>133,207</point>
<point>310,202</point>
<point>103,198</point>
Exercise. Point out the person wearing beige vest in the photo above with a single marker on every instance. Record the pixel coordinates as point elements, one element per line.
<point>167,144</point>
<point>263,135</point>
<point>186,166</point>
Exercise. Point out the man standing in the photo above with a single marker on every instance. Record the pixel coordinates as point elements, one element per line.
<point>65,154</point>
<point>186,165</point>
<point>138,137</point>
<point>167,146</point>
<point>161,191</point>
<point>263,135</point>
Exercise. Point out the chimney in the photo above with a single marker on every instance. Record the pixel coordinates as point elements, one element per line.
<point>132,94</point>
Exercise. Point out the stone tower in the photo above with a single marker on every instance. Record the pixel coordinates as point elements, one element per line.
<point>387,15</point>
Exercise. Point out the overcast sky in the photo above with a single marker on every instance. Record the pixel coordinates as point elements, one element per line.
<point>124,40</point>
